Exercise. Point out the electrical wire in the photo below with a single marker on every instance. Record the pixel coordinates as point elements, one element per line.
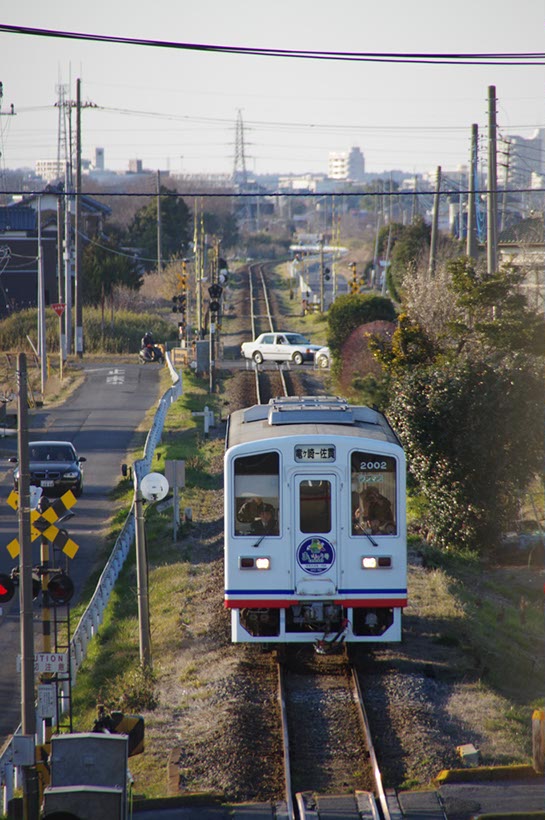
<point>498,58</point>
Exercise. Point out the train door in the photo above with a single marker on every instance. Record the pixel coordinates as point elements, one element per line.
<point>316,534</point>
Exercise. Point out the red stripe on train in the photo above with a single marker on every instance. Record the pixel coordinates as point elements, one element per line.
<point>357,603</point>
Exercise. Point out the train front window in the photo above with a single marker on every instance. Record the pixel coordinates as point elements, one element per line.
<point>373,494</point>
<point>315,506</point>
<point>257,494</point>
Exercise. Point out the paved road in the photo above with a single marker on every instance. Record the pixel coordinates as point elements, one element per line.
<point>100,418</point>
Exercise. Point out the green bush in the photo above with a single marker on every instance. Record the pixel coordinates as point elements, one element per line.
<point>98,337</point>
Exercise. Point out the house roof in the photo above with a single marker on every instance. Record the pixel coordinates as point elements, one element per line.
<point>22,218</point>
<point>88,203</point>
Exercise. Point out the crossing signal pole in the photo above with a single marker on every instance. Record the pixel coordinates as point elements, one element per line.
<point>354,281</point>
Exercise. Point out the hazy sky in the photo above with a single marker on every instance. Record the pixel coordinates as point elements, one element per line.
<point>177,110</point>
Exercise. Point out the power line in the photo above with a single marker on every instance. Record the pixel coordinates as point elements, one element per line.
<point>498,58</point>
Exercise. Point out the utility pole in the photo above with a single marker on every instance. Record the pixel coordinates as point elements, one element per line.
<point>62,340</point>
<point>492,207</point>
<point>435,224</point>
<point>78,341</point>
<point>11,112</point>
<point>322,272</point>
<point>471,235</point>
<point>31,807</point>
<point>159,237</point>
<point>505,184</point>
<point>68,260</point>
<point>142,576</point>
<point>41,303</point>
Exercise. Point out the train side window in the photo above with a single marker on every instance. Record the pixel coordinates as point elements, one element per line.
<point>373,494</point>
<point>257,494</point>
<point>315,506</point>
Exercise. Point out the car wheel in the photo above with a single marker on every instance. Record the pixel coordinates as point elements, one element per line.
<point>298,358</point>
<point>258,357</point>
<point>323,361</point>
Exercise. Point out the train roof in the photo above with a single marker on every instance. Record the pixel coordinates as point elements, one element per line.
<point>307,415</point>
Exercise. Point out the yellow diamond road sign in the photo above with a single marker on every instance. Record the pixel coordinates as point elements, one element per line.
<point>42,524</point>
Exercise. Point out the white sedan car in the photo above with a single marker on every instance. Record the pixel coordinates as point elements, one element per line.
<point>322,357</point>
<point>279,347</point>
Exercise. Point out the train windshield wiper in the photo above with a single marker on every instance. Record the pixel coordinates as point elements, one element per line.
<point>372,540</point>
<point>259,540</point>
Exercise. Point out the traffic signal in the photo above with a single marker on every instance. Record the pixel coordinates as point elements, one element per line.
<point>179,303</point>
<point>60,588</point>
<point>215,291</point>
<point>7,588</point>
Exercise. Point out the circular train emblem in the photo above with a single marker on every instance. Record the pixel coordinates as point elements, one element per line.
<point>315,555</point>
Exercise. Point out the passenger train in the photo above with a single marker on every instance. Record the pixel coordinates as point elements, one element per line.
<point>315,523</point>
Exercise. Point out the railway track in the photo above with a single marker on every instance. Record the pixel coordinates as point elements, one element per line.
<point>330,766</point>
<point>268,383</point>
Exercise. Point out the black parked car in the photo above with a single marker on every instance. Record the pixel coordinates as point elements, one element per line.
<point>54,466</point>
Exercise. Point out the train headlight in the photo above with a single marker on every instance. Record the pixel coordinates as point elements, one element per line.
<point>376,562</point>
<point>247,562</point>
<point>263,563</point>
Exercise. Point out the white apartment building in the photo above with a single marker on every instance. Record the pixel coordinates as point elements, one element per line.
<point>348,165</point>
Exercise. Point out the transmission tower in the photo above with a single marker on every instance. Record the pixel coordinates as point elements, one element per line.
<point>65,148</point>
<point>240,175</point>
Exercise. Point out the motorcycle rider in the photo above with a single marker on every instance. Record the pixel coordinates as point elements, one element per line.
<point>147,339</point>
<point>149,349</point>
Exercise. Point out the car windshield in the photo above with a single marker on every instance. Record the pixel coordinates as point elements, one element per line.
<point>296,339</point>
<point>46,452</point>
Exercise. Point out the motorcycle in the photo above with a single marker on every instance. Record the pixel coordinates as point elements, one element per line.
<point>151,353</point>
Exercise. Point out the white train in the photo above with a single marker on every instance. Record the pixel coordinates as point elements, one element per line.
<point>315,523</point>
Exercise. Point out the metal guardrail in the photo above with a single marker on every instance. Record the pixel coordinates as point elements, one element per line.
<point>90,621</point>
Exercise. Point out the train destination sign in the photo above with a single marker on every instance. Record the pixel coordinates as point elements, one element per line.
<point>315,454</point>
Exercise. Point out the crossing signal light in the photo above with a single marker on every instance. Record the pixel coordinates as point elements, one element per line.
<point>215,291</point>
<point>179,303</point>
<point>7,588</point>
<point>60,588</point>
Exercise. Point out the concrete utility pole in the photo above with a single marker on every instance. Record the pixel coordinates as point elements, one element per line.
<point>505,185</point>
<point>492,203</point>
<point>159,236</point>
<point>41,303</point>
<point>68,260</point>
<point>322,272</point>
<point>471,235</point>
<point>142,577</point>
<point>435,224</point>
<point>78,340</point>
<point>31,808</point>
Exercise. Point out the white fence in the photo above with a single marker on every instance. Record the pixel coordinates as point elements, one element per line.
<point>87,628</point>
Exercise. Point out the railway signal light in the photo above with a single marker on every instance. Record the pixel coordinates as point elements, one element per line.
<point>60,588</point>
<point>7,588</point>
<point>179,303</point>
<point>214,306</point>
<point>215,291</point>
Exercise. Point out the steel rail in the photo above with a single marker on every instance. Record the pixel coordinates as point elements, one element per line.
<point>285,742</point>
<point>381,794</point>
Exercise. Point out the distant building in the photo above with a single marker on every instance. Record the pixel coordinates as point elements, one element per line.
<point>348,165</point>
<point>99,159</point>
<point>135,166</point>
<point>50,170</point>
